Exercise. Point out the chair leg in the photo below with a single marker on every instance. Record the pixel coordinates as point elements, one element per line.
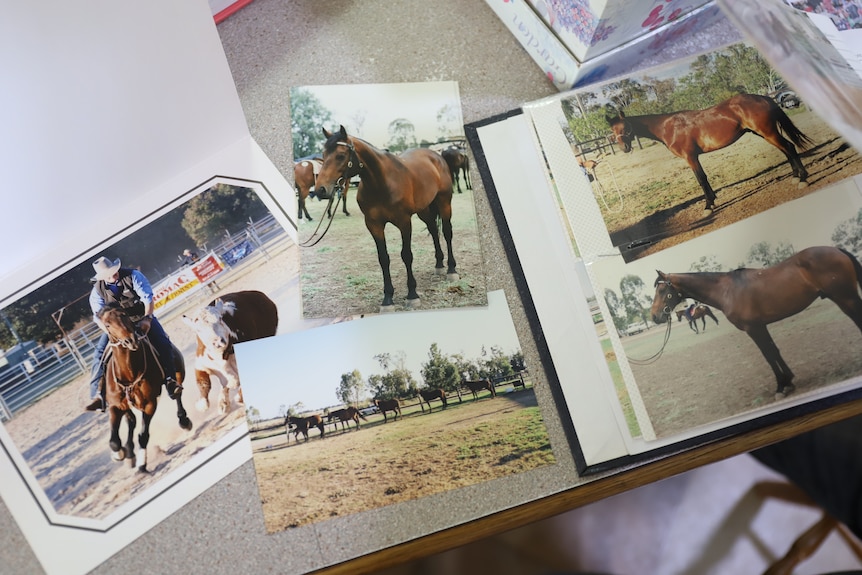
<point>804,546</point>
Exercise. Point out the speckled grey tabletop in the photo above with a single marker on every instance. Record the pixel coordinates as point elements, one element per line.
<point>272,45</point>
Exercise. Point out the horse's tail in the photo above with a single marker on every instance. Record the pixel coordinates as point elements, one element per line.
<point>789,128</point>
<point>443,397</point>
<point>359,413</point>
<point>712,315</point>
<point>856,265</point>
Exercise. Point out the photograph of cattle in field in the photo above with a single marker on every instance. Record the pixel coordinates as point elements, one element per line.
<point>242,285</point>
<point>418,428</point>
<point>782,291</point>
<point>385,222</point>
<point>675,153</point>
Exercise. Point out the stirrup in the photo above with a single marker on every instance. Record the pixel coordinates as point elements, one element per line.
<point>174,389</point>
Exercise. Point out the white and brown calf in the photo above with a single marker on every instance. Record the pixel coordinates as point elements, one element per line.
<point>227,320</point>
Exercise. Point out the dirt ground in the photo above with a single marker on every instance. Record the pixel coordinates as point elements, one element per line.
<point>341,276</point>
<point>385,463</point>
<point>708,377</point>
<point>650,193</point>
<point>67,448</point>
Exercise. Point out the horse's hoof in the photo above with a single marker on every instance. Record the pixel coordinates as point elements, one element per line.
<point>439,271</point>
<point>143,469</point>
<point>413,303</point>
<point>185,423</point>
<point>202,404</point>
<point>795,180</point>
<point>707,211</point>
<point>801,185</point>
<point>387,308</point>
<point>453,277</point>
<point>118,455</point>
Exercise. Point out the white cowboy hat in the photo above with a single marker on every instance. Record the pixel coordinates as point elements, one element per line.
<point>105,268</point>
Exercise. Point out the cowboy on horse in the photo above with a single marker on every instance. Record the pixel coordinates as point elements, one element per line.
<point>129,289</point>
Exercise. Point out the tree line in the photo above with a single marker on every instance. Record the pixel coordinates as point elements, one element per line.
<point>308,117</point>
<point>154,249</point>
<point>440,370</point>
<point>632,302</point>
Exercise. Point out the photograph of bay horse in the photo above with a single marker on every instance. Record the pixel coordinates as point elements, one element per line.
<point>391,189</point>
<point>751,299</point>
<point>700,145</point>
<point>133,379</point>
<point>789,295</point>
<point>690,133</point>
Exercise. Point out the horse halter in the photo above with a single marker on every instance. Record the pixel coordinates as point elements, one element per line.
<point>674,293</point>
<point>352,161</point>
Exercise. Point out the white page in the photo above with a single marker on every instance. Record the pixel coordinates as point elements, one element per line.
<point>560,301</point>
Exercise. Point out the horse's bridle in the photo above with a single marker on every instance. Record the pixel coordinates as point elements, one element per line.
<point>675,293</point>
<point>354,166</point>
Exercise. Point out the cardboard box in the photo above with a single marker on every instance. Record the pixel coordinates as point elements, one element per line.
<point>590,28</point>
<point>562,65</point>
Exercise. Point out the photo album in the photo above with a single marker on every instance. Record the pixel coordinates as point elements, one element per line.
<point>688,239</point>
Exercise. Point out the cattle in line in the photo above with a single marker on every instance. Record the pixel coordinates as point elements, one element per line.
<point>230,319</point>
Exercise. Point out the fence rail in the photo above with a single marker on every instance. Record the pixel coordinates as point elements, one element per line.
<point>49,367</point>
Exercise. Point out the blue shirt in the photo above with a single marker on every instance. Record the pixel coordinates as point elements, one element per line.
<point>140,284</point>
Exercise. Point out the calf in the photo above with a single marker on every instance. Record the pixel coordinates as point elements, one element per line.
<point>227,320</point>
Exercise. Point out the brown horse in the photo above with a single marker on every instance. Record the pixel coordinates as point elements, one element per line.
<point>133,379</point>
<point>385,405</point>
<point>391,189</point>
<point>304,180</point>
<point>699,312</point>
<point>303,424</point>
<point>476,386</point>
<point>689,134</point>
<point>753,298</point>
<point>459,163</point>
<point>345,416</point>
<point>430,395</point>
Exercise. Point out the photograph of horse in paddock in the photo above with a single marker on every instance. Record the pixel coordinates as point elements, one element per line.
<point>392,405</point>
<point>691,164</point>
<point>792,315</point>
<point>416,244</point>
<point>697,312</point>
<point>750,301</point>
